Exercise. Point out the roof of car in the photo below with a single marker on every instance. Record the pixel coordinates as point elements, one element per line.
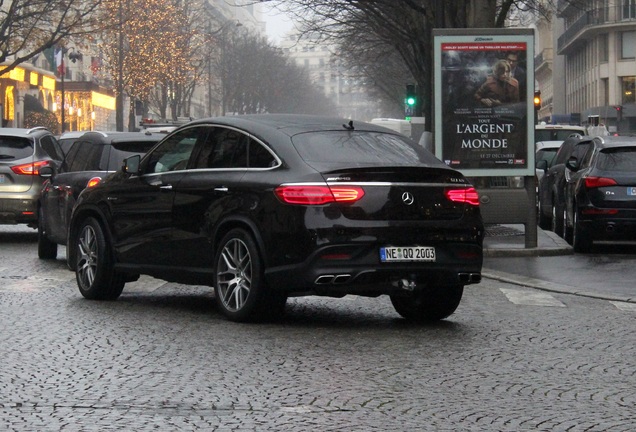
<point>291,124</point>
<point>548,144</point>
<point>616,141</point>
<point>558,126</point>
<point>23,132</point>
<point>117,137</point>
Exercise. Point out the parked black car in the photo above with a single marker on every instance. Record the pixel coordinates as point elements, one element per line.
<point>23,153</point>
<point>552,184</point>
<point>263,207</point>
<point>600,193</point>
<point>92,156</point>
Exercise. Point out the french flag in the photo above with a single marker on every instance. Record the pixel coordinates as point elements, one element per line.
<point>59,61</point>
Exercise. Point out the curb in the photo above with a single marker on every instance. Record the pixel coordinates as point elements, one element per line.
<point>550,286</point>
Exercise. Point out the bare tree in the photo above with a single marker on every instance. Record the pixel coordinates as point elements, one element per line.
<point>372,31</point>
<point>258,77</point>
<point>28,27</point>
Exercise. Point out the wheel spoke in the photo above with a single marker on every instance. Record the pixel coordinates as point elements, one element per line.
<point>234,275</point>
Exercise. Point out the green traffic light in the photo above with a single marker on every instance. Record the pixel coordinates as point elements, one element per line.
<point>410,101</point>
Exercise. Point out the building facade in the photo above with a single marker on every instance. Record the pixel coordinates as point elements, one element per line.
<point>598,48</point>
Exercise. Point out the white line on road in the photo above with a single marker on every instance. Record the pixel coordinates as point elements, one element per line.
<point>531,298</point>
<point>624,306</point>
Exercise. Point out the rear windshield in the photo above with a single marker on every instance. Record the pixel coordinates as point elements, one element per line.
<point>617,159</point>
<point>12,148</point>
<point>554,134</point>
<point>360,148</point>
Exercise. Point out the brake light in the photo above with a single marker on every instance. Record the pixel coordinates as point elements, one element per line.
<point>93,182</point>
<point>598,211</point>
<point>32,168</point>
<point>318,195</point>
<point>595,182</point>
<point>466,195</point>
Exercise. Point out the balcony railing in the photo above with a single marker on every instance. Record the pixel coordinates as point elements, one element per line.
<point>595,17</point>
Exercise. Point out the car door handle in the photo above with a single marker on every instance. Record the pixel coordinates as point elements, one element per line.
<point>220,189</point>
<point>165,187</point>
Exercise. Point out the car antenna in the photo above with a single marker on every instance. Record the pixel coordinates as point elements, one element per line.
<point>350,127</point>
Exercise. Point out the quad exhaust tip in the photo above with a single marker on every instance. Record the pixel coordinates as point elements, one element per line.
<point>469,278</point>
<point>332,279</point>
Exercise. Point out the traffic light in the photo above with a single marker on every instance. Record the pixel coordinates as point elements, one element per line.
<point>619,112</point>
<point>537,99</point>
<point>537,105</point>
<point>410,101</point>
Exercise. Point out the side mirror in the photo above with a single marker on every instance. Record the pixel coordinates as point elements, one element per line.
<point>542,164</point>
<point>131,164</point>
<point>572,164</point>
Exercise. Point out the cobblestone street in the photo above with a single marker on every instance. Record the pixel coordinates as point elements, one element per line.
<point>162,358</point>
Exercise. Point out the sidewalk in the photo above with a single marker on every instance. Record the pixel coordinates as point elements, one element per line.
<point>510,241</point>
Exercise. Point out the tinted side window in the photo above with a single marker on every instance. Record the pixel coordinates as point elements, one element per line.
<point>84,156</point>
<point>259,156</point>
<point>52,148</point>
<point>581,150</point>
<point>174,152</point>
<point>224,148</point>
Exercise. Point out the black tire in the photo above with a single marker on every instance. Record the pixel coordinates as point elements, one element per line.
<point>581,240</point>
<point>94,265</point>
<point>430,305</point>
<point>545,222</point>
<point>557,219</point>
<point>241,292</point>
<point>567,230</point>
<point>46,248</point>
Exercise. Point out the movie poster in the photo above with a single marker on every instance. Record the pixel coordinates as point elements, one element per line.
<point>484,112</point>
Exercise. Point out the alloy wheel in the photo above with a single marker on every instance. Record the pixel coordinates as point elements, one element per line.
<point>234,275</point>
<point>87,256</point>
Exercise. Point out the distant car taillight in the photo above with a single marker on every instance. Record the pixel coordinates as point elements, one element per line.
<point>93,182</point>
<point>466,195</point>
<point>595,182</point>
<point>318,195</point>
<point>32,168</point>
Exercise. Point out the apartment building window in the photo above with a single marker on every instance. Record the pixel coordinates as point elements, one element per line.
<point>628,45</point>
<point>603,44</point>
<point>605,91</point>
<point>629,9</point>
<point>628,89</point>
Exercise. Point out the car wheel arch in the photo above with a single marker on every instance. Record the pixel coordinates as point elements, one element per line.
<point>80,215</point>
<point>248,225</point>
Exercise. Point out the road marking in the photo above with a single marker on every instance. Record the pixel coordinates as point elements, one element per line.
<point>145,284</point>
<point>530,298</point>
<point>624,306</point>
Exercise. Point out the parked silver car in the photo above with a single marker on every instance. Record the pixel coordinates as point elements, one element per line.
<point>23,152</point>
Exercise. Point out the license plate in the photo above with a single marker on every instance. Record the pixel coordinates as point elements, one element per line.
<point>631,191</point>
<point>2,178</point>
<point>412,253</point>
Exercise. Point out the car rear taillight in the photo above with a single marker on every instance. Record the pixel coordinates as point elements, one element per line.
<point>466,195</point>
<point>595,182</point>
<point>599,211</point>
<point>318,195</point>
<point>93,182</point>
<point>32,168</point>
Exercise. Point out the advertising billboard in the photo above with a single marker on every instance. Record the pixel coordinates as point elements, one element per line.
<point>484,113</point>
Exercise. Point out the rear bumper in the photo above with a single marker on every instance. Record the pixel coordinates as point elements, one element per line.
<point>18,210</point>
<point>355,269</point>
<point>610,228</point>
